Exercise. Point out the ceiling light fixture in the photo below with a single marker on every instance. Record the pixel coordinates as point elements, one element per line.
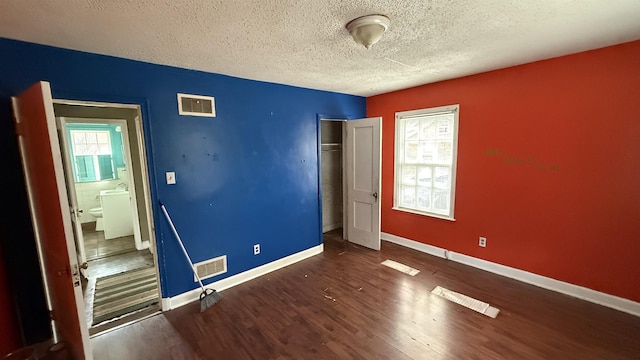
<point>367,30</point>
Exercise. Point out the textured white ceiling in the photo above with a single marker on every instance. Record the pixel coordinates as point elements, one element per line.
<point>304,42</point>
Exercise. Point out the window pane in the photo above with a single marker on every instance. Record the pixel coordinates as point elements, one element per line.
<point>408,196</point>
<point>445,151</point>
<point>103,137</point>
<point>81,150</point>
<point>92,149</point>
<point>427,129</point>
<point>411,152</point>
<point>104,149</point>
<point>427,152</point>
<point>411,129</point>
<point>441,201</point>
<point>445,127</point>
<point>424,198</point>
<point>408,175</point>
<point>92,138</point>
<point>79,138</point>
<point>91,142</point>
<point>425,176</point>
<point>442,177</point>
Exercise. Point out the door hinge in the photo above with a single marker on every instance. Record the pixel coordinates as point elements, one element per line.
<point>51,316</point>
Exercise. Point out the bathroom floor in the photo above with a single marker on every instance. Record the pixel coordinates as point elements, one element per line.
<point>97,247</point>
<point>119,263</point>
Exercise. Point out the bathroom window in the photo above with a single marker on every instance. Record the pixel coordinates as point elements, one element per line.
<point>425,161</point>
<point>92,155</point>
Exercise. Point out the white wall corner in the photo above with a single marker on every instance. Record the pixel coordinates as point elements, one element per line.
<point>193,295</point>
<point>600,298</point>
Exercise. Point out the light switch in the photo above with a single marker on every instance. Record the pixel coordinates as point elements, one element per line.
<point>171,177</point>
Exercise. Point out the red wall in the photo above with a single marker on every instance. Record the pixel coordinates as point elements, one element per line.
<point>548,167</point>
<point>9,333</point>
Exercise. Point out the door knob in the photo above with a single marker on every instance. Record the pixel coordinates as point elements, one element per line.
<point>84,266</point>
<point>375,196</point>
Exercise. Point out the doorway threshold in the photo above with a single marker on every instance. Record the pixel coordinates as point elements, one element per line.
<point>128,319</point>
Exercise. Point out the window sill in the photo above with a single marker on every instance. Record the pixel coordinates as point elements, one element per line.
<point>432,215</point>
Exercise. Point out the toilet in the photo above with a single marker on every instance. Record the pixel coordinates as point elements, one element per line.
<point>97,213</point>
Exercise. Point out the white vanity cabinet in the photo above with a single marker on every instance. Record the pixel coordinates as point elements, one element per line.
<point>116,213</point>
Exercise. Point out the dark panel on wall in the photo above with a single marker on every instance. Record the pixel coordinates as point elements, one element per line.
<point>18,244</point>
<point>10,339</point>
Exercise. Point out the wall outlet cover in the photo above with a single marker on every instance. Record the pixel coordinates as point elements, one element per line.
<point>482,242</point>
<point>171,177</point>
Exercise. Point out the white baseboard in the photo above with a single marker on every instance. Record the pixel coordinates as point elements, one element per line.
<point>193,295</point>
<point>604,299</point>
<point>415,245</point>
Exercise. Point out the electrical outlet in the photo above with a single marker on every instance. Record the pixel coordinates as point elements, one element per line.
<point>256,249</point>
<point>482,242</point>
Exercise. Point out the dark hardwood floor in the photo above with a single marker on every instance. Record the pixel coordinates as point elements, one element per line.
<point>343,304</point>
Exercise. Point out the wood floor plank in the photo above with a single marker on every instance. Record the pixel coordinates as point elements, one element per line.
<point>343,304</point>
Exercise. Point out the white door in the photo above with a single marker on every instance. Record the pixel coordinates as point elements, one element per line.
<point>363,181</point>
<point>49,206</point>
<point>76,212</point>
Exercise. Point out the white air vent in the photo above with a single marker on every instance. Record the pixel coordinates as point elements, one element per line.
<point>196,105</point>
<point>210,268</point>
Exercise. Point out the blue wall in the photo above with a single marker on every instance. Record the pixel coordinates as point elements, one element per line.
<point>248,176</point>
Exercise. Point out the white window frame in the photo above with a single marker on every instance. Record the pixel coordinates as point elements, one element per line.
<point>96,165</point>
<point>401,118</point>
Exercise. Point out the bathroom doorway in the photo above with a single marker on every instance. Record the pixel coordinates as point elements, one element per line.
<point>105,167</point>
